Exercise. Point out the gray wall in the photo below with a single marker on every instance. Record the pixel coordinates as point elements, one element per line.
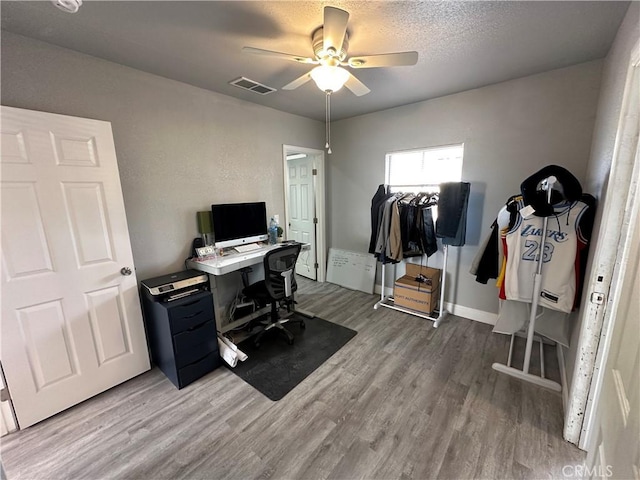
<point>614,75</point>
<point>180,148</point>
<point>509,130</point>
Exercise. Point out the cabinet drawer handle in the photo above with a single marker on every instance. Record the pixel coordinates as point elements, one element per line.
<point>196,361</point>
<point>195,327</point>
<point>193,315</point>
<point>190,303</point>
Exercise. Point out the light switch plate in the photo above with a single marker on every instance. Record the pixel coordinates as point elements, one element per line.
<point>204,251</point>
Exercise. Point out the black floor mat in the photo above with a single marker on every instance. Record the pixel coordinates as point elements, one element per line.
<point>276,367</point>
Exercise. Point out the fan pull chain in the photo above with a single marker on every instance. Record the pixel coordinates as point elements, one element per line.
<point>327,120</point>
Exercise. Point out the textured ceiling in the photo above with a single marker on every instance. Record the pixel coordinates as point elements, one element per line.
<point>461,45</point>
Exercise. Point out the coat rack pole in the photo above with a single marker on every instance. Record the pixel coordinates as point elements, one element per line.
<point>443,283</point>
<point>537,287</point>
<point>382,282</point>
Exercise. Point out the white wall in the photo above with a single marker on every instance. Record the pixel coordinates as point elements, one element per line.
<point>509,130</point>
<point>180,148</point>
<point>614,74</point>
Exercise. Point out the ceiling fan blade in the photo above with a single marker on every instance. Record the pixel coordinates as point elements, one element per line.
<point>284,56</point>
<point>400,59</point>
<point>356,86</point>
<point>298,82</point>
<point>334,28</point>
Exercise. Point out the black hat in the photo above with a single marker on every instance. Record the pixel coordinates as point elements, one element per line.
<point>535,196</point>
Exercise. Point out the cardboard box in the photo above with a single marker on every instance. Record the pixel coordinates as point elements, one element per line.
<point>408,292</point>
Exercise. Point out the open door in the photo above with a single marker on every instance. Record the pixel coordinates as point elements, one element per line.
<point>614,450</point>
<point>304,207</point>
<point>605,384</point>
<point>71,319</point>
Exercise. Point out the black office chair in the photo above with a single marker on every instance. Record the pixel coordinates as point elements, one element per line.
<point>277,288</point>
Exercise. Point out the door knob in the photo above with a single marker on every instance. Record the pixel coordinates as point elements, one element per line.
<point>125,271</point>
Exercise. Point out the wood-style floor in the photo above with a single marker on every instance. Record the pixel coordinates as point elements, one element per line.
<point>401,400</point>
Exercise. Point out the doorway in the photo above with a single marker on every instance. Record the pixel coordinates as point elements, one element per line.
<point>604,398</point>
<point>615,411</point>
<point>304,203</point>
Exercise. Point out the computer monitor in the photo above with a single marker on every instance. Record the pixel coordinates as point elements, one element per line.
<point>239,223</point>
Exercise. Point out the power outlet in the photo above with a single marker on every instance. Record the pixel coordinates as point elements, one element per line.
<point>204,251</point>
<point>276,217</point>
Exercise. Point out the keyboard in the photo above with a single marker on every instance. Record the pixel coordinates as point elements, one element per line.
<point>249,247</point>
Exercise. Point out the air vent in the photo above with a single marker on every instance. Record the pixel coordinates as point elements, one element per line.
<point>252,86</point>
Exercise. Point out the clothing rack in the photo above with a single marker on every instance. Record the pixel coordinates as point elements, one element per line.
<point>387,301</point>
<point>537,287</point>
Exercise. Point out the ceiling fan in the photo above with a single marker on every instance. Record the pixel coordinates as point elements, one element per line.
<point>330,44</point>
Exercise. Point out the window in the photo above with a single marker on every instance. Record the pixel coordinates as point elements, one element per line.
<point>423,170</point>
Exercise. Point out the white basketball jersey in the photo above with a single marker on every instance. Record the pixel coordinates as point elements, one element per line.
<point>559,256</point>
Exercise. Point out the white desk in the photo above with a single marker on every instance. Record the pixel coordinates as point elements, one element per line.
<point>233,262</point>
<point>225,287</point>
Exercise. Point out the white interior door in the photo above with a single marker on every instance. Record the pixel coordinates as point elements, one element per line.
<point>301,212</point>
<point>607,243</point>
<point>616,449</point>
<point>71,321</point>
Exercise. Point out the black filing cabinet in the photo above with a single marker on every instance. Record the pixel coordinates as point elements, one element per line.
<point>182,336</point>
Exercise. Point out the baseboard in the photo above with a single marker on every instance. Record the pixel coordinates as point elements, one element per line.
<point>471,313</point>
<point>562,365</point>
<point>458,310</point>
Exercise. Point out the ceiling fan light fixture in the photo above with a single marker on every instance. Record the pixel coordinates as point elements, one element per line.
<point>69,6</point>
<point>329,78</point>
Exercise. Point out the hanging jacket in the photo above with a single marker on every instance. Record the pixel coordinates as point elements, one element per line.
<point>394,245</point>
<point>427,232</point>
<point>378,199</point>
<point>384,231</point>
<point>451,225</point>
